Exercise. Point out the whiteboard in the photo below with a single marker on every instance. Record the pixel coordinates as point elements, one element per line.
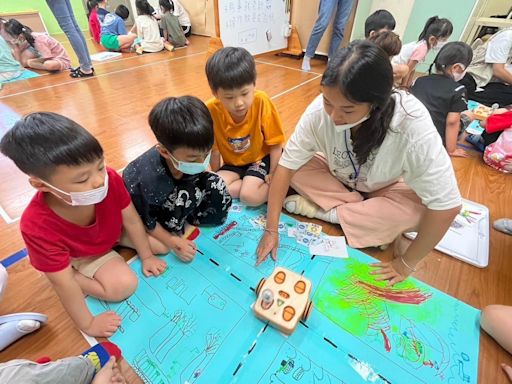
<point>256,25</point>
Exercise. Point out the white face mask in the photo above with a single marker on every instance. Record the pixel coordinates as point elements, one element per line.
<point>344,127</point>
<point>439,45</point>
<point>191,168</point>
<point>458,76</point>
<point>94,196</point>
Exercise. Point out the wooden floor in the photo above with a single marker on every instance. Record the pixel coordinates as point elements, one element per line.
<point>114,105</point>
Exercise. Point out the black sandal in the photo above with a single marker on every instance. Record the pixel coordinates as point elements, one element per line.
<point>78,74</point>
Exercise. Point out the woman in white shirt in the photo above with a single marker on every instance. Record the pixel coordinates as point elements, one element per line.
<point>370,159</point>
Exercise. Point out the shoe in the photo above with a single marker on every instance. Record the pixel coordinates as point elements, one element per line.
<point>78,74</point>
<point>169,47</point>
<point>476,141</point>
<point>139,50</point>
<point>503,225</point>
<point>298,205</point>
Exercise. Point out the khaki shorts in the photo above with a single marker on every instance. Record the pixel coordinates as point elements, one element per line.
<point>88,266</point>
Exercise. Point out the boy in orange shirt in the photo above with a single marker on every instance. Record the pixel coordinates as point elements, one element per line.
<point>247,127</point>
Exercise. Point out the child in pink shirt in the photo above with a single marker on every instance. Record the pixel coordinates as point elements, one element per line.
<point>36,50</point>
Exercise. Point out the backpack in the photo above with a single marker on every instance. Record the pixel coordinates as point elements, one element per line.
<point>499,154</point>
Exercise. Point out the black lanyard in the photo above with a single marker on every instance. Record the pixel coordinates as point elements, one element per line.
<point>355,175</point>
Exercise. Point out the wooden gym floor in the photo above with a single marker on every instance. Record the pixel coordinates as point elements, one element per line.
<point>114,106</point>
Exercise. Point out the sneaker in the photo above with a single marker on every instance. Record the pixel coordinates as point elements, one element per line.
<point>503,225</point>
<point>476,141</point>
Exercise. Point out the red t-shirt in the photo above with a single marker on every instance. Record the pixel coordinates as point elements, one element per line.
<point>94,26</point>
<point>52,241</point>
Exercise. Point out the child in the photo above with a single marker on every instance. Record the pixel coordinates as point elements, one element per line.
<point>388,41</point>
<point>248,131</point>
<point>36,50</point>
<point>169,183</point>
<point>94,23</point>
<point>148,32</point>
<point>183,17</point>
<point>113,31</point>
<point>496,320</point>
<point>173,34</point>
<point>434,35</point>
<point>379,21</point>
<point>444,98</point>
<point>9,67</point>
<point>102,10</point>
<point>76,217</point>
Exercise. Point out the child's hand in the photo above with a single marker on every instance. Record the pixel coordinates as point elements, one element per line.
<point>392,271</point>
<point>153,266</point>
<point>268,178</point>
<point>459,152</point>
<point>184,249</point>
<point>103,325</point>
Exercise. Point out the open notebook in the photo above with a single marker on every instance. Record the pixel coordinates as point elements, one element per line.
<point>468,236</point>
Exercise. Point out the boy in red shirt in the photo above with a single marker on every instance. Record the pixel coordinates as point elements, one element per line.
<point>76,217</point>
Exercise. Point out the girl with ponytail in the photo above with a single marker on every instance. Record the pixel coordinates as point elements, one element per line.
<point>444,97</point>
<point>368,158</point>
<point>433,36</point>
<point>36,50</point>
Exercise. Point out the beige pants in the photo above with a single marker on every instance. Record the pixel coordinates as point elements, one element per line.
<point>368,219</point>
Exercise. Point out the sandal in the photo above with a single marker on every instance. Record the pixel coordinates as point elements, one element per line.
<point>78,69</point>
<point>78,74</point>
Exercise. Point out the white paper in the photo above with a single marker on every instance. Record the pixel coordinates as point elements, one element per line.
<point>333,246</point>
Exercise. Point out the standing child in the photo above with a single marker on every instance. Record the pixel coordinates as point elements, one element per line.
<point>148,32</point>
<point>173,34</point>
<point>169,183</point>
<point>248,131</point>
<point>113,31</point>
<point>444,98</point>
<point>434,35</point>
<point>94,23</point>
<point>76,217</point>
<point>36,50</point>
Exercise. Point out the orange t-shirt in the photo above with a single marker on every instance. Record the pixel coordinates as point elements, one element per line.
<point>248,141</point>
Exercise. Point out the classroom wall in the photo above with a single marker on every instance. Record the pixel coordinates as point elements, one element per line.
<point>47,16</point>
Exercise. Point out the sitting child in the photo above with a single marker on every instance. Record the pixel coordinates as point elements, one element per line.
<point>169,183</point>
<point>183,17</point>
<point>9,68</point>
<point>443,96</point>
<point>36,50</point>
<point>113,31</point>
<point>94,22</point>
<point>434,35</point>
<point>248,130</point>
<point>173,34</point>
<point>76,217</point>
<point>148,31</point>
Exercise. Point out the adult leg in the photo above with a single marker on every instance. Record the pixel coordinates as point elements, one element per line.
<point>325,11</point>
<point>382,217</point>
<point>113,281</point>
<point>233,181</point>
<point>63,12</point>
<point>342,14</point>
<point>213,207</point>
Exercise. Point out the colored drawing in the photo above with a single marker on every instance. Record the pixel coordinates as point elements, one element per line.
<point>195,322</point>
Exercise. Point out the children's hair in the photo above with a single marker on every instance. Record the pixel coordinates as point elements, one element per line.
<point>452,53</point>
<point>91,4</point>
<point>122,11</point>
<point>439,28</point>
<point>143,7</point>
<point>42,141</point>
<point>14,28</point>
<point>166,5</point>
<point>388,41</point>
<point>184,121</point>
<point>362,72</point>
<point>230,68</point>
<point>378,20</point>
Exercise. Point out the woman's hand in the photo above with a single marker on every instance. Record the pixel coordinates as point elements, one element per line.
<point>268,244</point>
<point>393,271</point>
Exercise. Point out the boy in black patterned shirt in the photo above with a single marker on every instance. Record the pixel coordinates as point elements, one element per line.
<point>169,184</point>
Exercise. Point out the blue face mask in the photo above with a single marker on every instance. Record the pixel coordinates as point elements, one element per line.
<point>190,168</point>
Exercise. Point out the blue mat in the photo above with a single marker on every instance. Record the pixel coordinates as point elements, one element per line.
<point>194,324</point>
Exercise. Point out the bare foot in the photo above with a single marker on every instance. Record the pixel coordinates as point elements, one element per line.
<point>109,374</point>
